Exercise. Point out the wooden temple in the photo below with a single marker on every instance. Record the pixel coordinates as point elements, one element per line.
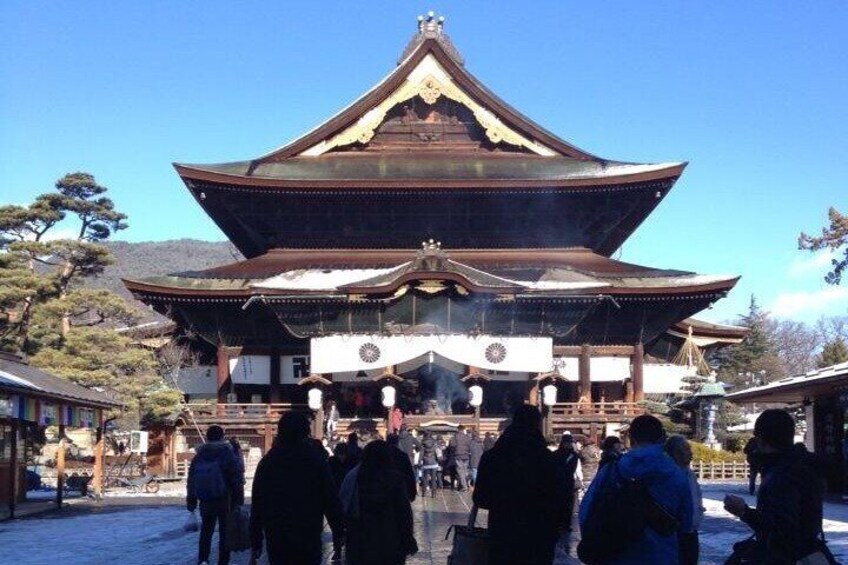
<point>432,236</point>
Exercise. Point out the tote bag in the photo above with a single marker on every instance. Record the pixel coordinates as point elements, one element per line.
<point>470,543</point>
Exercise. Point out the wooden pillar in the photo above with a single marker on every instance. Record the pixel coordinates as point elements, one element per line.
<point>223,373</point>
<point>269,437</point>
<point>628,393</point>
<point>60,467</point>
<point>276,376</point>
<point>533,393</point>
<point>584,371</point>
<point>13,469</point>
<point>98,459</point>
<point>638,360</point>
<point>318,433</point>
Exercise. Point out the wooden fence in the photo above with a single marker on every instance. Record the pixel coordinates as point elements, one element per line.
<point>720,470</point>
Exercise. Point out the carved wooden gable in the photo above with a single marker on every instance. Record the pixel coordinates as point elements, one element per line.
<point>429,111</point>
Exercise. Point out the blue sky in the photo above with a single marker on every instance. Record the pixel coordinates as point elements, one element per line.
<point>753,94</point>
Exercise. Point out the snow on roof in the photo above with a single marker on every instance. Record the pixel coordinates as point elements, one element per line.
<point>13,380</point>
<point>838,370</point>
<point>321,279</point>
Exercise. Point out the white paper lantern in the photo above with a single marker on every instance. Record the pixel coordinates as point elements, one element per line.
<point>388,396</point>
<point>476,395</point>
<point>549,395</point>
<point>315,398</point>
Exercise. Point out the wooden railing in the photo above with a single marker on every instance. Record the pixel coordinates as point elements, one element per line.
<point>212,413</point>
<point>720,470</point>
<point>600,411</point>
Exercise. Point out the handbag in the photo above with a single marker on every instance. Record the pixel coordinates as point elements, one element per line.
<point>821,556</point>
<point>238,530</point>
<point>470,543</point>
<point>190,525</point>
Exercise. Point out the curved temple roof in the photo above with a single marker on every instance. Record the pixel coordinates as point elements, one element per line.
<point>342,272</point>
<point>498,149</point>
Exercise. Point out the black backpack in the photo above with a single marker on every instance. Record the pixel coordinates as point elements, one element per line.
<point>208,479</point>
<point>620,511</point>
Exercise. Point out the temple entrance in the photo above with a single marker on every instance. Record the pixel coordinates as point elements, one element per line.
<point>431,385</point>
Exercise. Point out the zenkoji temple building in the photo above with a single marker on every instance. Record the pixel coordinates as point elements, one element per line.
<point>431,236</point>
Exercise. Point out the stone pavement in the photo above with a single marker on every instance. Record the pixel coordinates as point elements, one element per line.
<point>147,530</point>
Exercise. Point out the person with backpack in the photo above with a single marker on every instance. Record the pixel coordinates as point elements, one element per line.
<point>215,482</point>
<point>293,491</point>
<point>787,521</point>
<point>519,484</point>
<point>636,507</point>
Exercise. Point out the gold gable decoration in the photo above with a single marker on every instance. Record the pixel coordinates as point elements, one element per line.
<point>429,81</point>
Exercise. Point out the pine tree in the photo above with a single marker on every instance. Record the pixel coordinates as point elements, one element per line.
<point>47,313</point>
<point>832,237</point>
<point>833,352</point>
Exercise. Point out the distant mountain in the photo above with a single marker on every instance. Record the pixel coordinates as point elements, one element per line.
<point>148,258</point>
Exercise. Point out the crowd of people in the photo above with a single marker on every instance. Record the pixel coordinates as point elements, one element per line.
<point>639,505</point>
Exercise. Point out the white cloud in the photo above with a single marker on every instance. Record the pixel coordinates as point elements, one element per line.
<point>818,263</point>
<point>792,304</point>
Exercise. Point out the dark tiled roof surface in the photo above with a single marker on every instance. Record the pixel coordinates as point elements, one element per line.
<point>429,167</point>
<point>23,378</point>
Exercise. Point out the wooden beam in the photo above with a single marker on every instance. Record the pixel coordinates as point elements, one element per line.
<point>597,350</point>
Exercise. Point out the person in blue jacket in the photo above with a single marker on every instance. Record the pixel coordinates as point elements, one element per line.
<point>667,483</point>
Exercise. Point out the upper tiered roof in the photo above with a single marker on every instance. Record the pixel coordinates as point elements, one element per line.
<point>429,127</point>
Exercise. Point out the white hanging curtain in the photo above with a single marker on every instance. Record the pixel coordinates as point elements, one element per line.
<point>340,353</point>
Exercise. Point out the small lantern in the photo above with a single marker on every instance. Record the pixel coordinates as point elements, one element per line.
<point>476,395</point>
<point>388,396</point>
<point>315,398</point>
<point>549,395</point>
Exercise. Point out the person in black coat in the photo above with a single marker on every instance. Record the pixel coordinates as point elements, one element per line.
<point>476,454</point>
<point>449,465</point>
<point>293,491</point>
<point>354,452</point>
<point>488,441</point>
<point>338,465</point>
<point>519,484</point>
<point>461,444</point>
<point>429,464</point>
<point>566,460</point>
<point>408,443</point>
<point>400,463</point>
<point>378,515</point>
<point>788,517</point>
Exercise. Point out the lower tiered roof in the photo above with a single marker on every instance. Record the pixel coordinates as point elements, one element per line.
<point>343,272</point>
